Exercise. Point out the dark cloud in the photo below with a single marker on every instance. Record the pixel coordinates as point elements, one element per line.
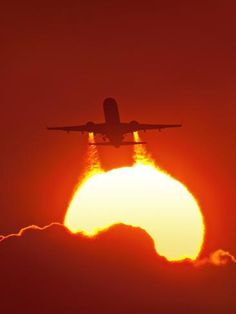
<point>53,271</point>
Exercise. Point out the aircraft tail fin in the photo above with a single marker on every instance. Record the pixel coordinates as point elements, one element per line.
<point>121,144</point>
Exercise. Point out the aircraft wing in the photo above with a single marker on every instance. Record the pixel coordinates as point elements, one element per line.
<point>132,127</point>
<point>89,127</point>
<point>157,126</point>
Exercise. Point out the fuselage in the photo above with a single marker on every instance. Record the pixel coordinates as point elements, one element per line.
<point>112,120</point>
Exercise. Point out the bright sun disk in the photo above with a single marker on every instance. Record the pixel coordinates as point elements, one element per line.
<point>141,196</point>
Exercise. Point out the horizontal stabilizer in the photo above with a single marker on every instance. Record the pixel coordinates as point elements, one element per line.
<point>121,144</point>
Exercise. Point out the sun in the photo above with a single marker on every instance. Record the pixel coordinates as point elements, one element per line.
<point>141,196</point>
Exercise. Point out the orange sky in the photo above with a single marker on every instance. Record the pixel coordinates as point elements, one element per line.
<point>163,62</point>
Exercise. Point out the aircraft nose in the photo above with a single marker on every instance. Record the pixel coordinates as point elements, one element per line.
<point>109,102</point>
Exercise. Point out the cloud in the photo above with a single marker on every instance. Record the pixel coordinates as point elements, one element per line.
<point>217,258</point>
<point>50,270</point>
<point>31,227</point>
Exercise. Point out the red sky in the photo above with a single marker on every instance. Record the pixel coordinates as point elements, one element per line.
<point>164,61</point>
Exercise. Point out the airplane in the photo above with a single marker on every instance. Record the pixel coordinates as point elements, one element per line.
<point>113,129</point>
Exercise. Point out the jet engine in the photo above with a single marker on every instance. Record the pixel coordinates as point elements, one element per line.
<point>90,126</point>
<point>134,125</point>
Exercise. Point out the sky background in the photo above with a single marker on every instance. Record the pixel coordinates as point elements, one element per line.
<point>164,62</point>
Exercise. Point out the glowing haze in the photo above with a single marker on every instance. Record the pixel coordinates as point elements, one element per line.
<point>142,196</point>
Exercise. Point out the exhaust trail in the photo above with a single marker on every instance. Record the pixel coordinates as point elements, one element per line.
<point>93,165</point>
<point>141,156</point>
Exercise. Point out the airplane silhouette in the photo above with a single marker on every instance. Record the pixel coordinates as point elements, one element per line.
<point>113,129</point>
